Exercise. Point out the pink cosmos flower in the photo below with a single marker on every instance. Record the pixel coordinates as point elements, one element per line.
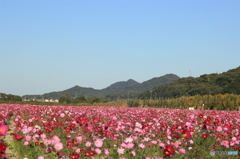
<point>40,157</point>
<point>43,136</point>
<point>106,151</point>
<point>35,136</point>
<point>120,150</point>
<point>34,130</point>
<point>162,145</point>
<point>154,142</point>
<point>219,128</point>
<point>98,151</point>
<point>182,150</point>
<point>62,115</point>
<point>191,141</point>
<point>129,145</point>
<point>58,146</point>
<point>114,138</point>
<point>24,131</point>
<point>133,153</point>
<point>28,138</point>
<point>225,143</point>
<point>29,129</point>
<point>146,139</point>
<point>124,144</point>
<point>128,140</point>
<point>98,142</point>
<point>234,138</point>
<point>55,139</point>
<point>47,142</point>
<point>79,138</point>
<point>192,116</point>
<point>26,143</point>
<point>141,145</point>
<point>232,143</point>
<point>88,144</point>
<point>78,150</point>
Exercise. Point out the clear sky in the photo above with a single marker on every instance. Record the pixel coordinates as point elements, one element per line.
<point>52,45</point>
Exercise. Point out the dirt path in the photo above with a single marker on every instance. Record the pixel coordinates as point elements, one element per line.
<point>11,154</point>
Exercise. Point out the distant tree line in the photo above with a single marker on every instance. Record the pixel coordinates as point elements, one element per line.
<point>9,97</point>
<point>81,99</point>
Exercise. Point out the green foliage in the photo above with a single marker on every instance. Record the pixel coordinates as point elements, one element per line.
<point>210,102</point>
<point>9,97</point>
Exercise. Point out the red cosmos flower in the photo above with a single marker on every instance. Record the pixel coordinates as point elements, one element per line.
<point>18,137</point>
<point>48,130</point>
<point>207,122</point>
<point>74,156</point>
<point>95,121</point>
<point>208,118</point>
<point>18,124</point>
<point>108,134</point>
<point>176,136</point>
<point>90,153</point>
<point>60,154</point>
<point>75,142</point>
<point>204,135</point>
<point>82,120</point>
<point>173,129</point>
<point>235,147</point>
<point>216,120</point>
<point>67,130</point>
<point>191,129</point>
<point>169,151</point>
<point>42,144</point>
<point>3,147</point>
<point>204,127</point>
<point>31,124</point>
<point>200,116</point>
<point>69,143</point>
<point>231,126</point>
<point>72,125</point>
<point>186,134</point>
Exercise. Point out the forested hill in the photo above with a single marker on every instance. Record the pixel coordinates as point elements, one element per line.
<point>226,82</point>
<point>118,90</point>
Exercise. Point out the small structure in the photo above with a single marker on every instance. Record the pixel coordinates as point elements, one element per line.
<point>191,108</point>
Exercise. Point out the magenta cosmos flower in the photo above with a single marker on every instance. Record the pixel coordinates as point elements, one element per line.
<point>3,130</point>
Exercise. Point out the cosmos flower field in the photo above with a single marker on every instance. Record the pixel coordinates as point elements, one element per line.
<point>70,132</point>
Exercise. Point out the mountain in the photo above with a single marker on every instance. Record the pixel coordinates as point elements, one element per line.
<point>157,81</point>
<point>122,84</point>
<point>226,82</point>
<point>122,89</point>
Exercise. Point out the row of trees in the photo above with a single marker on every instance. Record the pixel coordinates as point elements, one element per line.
<point>208,102</point>
<point>66,99</point>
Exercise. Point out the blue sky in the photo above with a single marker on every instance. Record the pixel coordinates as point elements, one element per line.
<point>52,45</point>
